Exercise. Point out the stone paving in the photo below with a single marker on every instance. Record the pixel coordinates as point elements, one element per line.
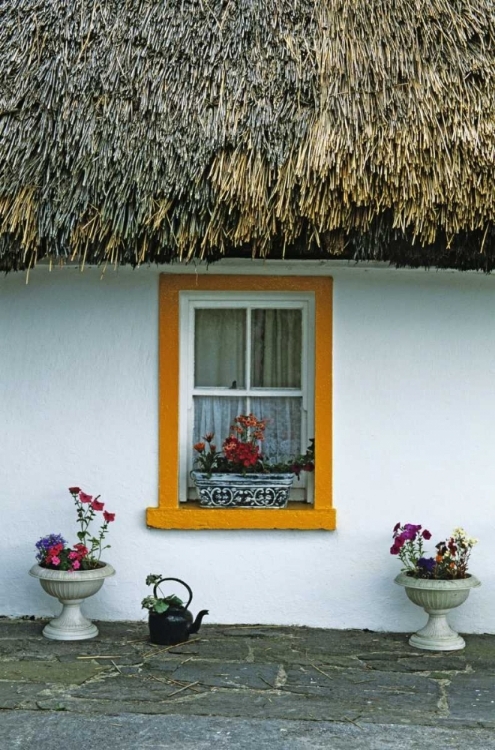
<point>309,688</point>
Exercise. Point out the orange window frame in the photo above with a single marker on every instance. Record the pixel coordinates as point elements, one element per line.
<point>170,513</point>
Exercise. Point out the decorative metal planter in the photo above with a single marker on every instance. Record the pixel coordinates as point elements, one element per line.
<point>71,588</point>
<point>243,490</point>
<point>437,597</point>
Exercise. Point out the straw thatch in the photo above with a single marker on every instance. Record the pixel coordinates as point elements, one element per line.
<point>153,130</point>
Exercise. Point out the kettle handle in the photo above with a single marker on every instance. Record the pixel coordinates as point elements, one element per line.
<point>178,581</point>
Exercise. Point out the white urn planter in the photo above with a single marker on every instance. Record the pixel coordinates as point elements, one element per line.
<point>71,588</point>
<point>437,597</point>
<point>243,490</point>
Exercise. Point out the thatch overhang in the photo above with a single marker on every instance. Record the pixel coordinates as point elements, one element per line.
<point>135,131</point>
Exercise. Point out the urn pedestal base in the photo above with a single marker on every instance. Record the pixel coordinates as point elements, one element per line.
<point>437,598</point>
<point>71,589</point>
<point>437,635</point>
<point>70,625</point>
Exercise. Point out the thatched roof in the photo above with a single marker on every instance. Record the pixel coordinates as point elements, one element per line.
<point>152,130</point>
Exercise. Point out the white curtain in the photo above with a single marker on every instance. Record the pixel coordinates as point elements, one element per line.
<point>215,414</point>
<point>276,348</point>
<point>283,429</point>
<point>220,348</point>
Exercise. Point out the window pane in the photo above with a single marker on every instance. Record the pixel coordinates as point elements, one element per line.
<point>283,428</point>
<point>219,348</point>
<point>276,348</point>
<point>215,414</point>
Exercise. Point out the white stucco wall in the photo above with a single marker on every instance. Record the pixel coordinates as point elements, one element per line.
<point>414,416</point>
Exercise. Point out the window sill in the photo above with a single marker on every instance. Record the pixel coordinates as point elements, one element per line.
<point>191,516</point>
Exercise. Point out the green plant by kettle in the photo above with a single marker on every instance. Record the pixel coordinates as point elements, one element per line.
<point>159,604</point>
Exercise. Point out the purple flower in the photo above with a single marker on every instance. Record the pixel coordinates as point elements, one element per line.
<point>410,531</point>
<point>426,564</point>
<point>44,544</point>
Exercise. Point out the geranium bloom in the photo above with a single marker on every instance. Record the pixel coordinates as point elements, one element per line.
<point>241,451</point>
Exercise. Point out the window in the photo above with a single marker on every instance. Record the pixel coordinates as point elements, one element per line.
<point>244,353</point>
<point>232,345</point>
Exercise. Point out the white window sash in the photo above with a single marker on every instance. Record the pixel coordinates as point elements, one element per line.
<point>189,301</point>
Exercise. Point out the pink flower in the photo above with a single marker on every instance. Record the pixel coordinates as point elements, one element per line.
<point>96,505</point>
<point>55,560</point>
<point>76,565</point>
<point>108,516</point>
<point>85,498</point>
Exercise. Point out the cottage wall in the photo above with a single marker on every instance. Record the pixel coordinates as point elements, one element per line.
<point>414,410</point>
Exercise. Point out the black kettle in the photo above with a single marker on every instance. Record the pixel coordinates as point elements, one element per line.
<point>175,625</point>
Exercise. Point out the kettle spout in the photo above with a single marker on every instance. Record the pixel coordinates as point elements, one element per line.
<point>195,626</point>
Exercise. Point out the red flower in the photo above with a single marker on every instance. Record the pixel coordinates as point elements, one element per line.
<point>397,546</point>
<point>82,550</point>
<point>56,549</point>
<point>426,534</point>
<point>199,447</point>
<point>74,490</point>
<point>85,498</point>
<point>96,505</point>
<point>108,516</point>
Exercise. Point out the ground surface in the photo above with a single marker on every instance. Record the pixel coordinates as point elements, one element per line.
<point>242,687</point>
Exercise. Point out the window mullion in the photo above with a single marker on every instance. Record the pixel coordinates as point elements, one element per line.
<point>248,360</point>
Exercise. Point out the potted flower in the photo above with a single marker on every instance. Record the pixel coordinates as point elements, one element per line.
<point>438,583</point>
<point>239,475</point>
<point>72,574</point>
<point>170,622</point>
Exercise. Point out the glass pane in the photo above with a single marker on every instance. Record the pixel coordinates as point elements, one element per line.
<point>220,348</point>
<point>215,414</point>
<point>283,428</point>
<point>276,341</point>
